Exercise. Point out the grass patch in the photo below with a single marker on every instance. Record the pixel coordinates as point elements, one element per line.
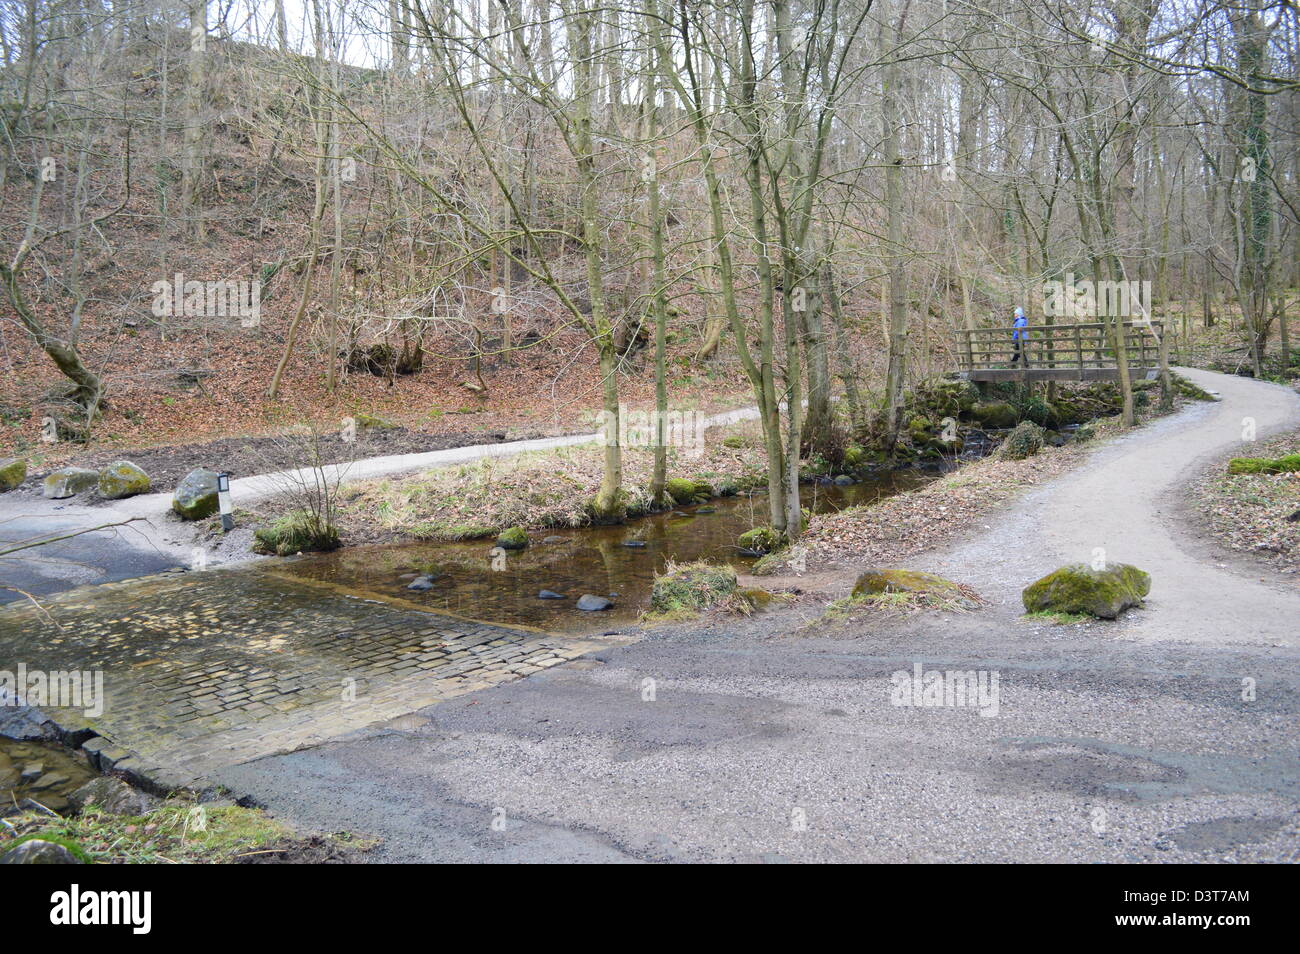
<point>298,531</point>
<point>1056,617</point>
<point>178,832</point>
<point>891,602</point>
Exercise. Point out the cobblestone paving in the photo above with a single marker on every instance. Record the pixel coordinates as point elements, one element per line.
<point>215,668</point>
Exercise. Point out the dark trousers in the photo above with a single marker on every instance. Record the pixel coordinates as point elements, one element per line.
<point>1017,354</point>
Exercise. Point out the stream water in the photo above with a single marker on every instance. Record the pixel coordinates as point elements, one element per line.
<point>596,560</point>
<point>43,772</point>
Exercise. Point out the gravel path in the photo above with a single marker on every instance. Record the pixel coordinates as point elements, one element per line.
<point>1126,501</point>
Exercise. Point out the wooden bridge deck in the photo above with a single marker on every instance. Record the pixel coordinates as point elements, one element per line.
<point>1074,352</point>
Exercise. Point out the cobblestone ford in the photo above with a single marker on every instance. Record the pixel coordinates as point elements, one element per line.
<point>210,669</point>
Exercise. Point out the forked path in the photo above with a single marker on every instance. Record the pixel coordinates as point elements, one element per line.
<point>1126,505</point>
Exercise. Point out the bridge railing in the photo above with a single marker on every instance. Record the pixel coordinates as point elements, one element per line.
<point>1084,349</point>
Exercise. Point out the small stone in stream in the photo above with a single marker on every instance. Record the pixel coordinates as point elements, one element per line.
<point>592,604</point>
<point>420,583</point>
<point>844,480</point>
<point>69,481</point>
<point>38,852</point>
<point>551,595</point>
<point>553,539</point>
<point>746,552</point>
<point>634,543</point>
<point>678,514</point>
<point>706,509</point>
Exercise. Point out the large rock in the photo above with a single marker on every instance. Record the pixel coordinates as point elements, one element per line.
<point>37,852</point>
<point>114,796</point>
<point>1079,588</point>
<point>593,604</point>
<point>122,479</point>
<point>196,495</point>
<point>13,471</point>
<point>69,481</point>
<point>995,414</point>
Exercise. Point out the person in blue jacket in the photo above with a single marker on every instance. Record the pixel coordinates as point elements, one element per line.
<point>1017,336</point>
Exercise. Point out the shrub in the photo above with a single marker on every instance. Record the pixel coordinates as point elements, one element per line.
<point>298,531</point>
<point>1025,440</point>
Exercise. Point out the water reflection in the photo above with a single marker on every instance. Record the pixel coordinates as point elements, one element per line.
<point>590,560</point>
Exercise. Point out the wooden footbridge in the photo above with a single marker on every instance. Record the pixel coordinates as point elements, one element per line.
<point>1077,352</point>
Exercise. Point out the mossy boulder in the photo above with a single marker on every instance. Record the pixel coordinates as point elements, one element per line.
<point>681,490</point>
<point>761,540</point>
<point>1025,440</point>
<point>13,471</point>
<point>735,442</point>
<point>1079,588</point>
<point>69,481</point>
<point>1085,433</point>
<point>513,538</point>
<point>995,414</point>
<point>876,582</point>
<point>1189,390</point>
<point>919,430</point>
<point>298,531</point>
<point>195,496</point>
<point>370,422</point>
<point>1288,464</point>
<point>122,479</point>
<point>690,587</point>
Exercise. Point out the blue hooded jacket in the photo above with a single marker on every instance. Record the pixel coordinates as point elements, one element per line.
<point>1020,322</point>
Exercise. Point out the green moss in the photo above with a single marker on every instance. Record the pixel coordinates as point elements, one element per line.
<point>995,414</point>
<point>298,531</point>
<point>735,442</point>
<point>12,473</point>
<point>761,540</point>
<point>513,538</point>
<point>1081,589</point>
<point>178,831</point>
<point>122,479</point>
<point>1289,464</point>
<point>1189,390</point>
<point>681,489</point>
